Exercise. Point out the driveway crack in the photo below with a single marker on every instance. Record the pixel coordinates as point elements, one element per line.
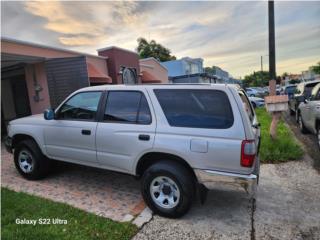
<point>253,210</point>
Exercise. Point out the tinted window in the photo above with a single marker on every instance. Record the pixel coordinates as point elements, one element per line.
<point>195,108</point>
<point>127,107</point>
<point>82,106</point>
<point>246,105</point>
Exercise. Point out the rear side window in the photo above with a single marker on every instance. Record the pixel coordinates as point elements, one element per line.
<point>195,108</point>
<point>247,105</point>
<point>127,107</point>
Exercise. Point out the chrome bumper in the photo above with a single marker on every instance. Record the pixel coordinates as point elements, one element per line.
<point>211,179</point>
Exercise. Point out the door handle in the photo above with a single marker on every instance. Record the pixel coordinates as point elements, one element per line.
<point>144,137</point>
<point>86,132</point>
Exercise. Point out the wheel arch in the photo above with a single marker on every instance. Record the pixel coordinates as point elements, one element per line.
<point>150,158</point>
<point>22,137</point>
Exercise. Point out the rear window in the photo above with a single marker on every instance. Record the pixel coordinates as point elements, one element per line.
<point>196,108</point>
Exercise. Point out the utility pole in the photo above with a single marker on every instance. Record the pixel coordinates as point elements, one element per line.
<point>272,68</point>
<point>272,48</point>
<point>261,63</point>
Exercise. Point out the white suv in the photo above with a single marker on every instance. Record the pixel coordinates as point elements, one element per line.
<point>177,138</point>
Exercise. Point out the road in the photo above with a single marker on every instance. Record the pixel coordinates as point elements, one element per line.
<point>287,207</point>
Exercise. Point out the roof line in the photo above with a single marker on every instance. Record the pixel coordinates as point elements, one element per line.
<point>152,58</point>
<point>115,47</point>
<point>7,39</point>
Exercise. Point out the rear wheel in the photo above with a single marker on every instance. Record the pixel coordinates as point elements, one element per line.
<point>29,160</point>
<point>253,104</point>
<point>168,189</point>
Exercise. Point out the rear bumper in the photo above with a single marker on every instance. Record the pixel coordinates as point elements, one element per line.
<point>211,179</point>
<point>8,144</point>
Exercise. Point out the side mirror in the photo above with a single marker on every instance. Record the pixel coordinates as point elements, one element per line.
<point>48,114</point>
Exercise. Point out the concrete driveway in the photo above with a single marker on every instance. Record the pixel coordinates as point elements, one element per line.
<point>287,207</point>
<point>108,194</point>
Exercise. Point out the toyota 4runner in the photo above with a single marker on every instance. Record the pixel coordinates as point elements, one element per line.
<point>176,138</point>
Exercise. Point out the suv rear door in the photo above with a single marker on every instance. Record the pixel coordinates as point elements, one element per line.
<point>126,129</point>
<point>200,124</point>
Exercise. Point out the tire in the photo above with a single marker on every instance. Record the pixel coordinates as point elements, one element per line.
<point>254,105</point>
<point>301,125</point>
<point>176,181</point>
<point>252,95</point>
<point>29,160</point>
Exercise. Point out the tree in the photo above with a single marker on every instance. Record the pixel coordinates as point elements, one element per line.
<point>257,79</point>
<point>211,70</point>
<point>152,49</point>
<point>316,68</point>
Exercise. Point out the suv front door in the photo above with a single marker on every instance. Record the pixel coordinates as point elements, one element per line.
<point>125,131</point>
<point>71,135</point>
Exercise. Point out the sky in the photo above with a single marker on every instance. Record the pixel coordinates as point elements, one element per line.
<point>231,35</point>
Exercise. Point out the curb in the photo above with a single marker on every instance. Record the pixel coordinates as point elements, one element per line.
<point>144,217</point>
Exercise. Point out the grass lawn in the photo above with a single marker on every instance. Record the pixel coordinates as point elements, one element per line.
<point>284,148</point>
<point>81,225</point>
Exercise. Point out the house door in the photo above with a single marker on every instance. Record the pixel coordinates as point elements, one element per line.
<point>21,98</point>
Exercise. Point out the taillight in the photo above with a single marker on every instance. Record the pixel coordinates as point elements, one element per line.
<point>248,153</point>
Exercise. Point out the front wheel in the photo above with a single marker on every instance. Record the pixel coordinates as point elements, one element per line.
<point>29,160</point>
<point>168,189</point>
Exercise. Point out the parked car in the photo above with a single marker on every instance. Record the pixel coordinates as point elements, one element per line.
<point>309,113</point>
<point>251,92</point>
<point>302,92</point>
<point>256,101</point>
<point>289,90</point>
<point>175,138</point>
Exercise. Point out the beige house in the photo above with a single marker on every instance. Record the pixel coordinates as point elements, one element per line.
<point>152,71</point>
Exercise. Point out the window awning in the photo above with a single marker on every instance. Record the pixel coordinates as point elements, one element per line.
<point>147,77</point>
<point>96,76</point>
